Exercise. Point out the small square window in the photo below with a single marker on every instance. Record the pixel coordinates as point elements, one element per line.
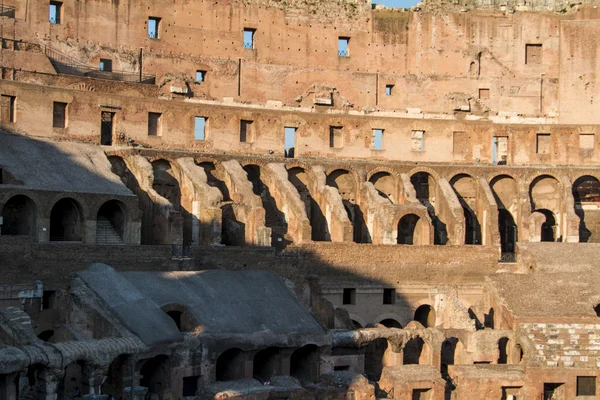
<point>336,137</point>
<point>484,94</point>
<point>59,115</point>
<point>154,124</point>
<point>417,140</point>
<point>543,143</point>
<point>105,65</point>
<point>586,141</point>
<point>153,27</point>
<point>200,76</point>
<point>389,296</point>
<point>49,300</point>
<point>8,111</point>
<point>349,296</point>
<point>200,128</point>
<point>377,143</point>
<point>343,46</point>
<point>190,386</point>
<point>586,386</point>
<point>55,12</point>
<point>388,90</point>
<point>249,38</point>
<point>246,131</point>
<point>533,54</point>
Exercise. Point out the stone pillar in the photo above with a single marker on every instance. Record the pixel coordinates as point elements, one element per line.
<point>48,382</point>
<point>92,378</point>
<point>196,222</point>
<point>89,231</point>
<point>176,233</point>
<point>44,230</point>
<point>286,358</point>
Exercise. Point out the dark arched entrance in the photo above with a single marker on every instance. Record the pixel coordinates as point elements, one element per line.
<point>111,223</point>
<point>425,314</point>
<point>66,221</point>
<point>156,375</point>
<point>19,217</point>
<point>547,228</point>
<point>406,229</point>
<point>304,363</point>
<point>508,231</point>
<point>391,323</point>
<point>230,365</point>
<point>267,363</point>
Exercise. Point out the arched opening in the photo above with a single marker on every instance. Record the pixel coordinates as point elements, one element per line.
<point>426,188</point>
<point>72,383</point>
<point>546,198</point>
<point>66,221</point>
<point>451,349</point>
<point>465,188</point>
<point>390,323</point>
<point>597,309</point>
<point>274,218</point>
<point>547,229</point>
<point>489,319</point>
<point>425,314</point>
<point>184,321</point>
<point>19,217</point>
<point>385,185</point>
<point>374,358</point>
<point>176,317</point>
<point>506,194</point>
<point>111,222</point>
<point>267,363</point>
<point>503,350</point>
<point>586,193</point>
<point>407,229</point>
<point>119,368</point>
<point>416,351</point>
<point>46,336</point>
<point>156,375</point>
<point>301,181</point>
<point>165,183</point>
<point>304,363</point>
<point>344,182</point>
<point>508,231</point>
<point>230,365</point>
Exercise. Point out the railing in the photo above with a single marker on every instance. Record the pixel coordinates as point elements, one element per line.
<point>7,11</point>
<point>343,53</point>
<point>248,45</point>
<point>508,258</point>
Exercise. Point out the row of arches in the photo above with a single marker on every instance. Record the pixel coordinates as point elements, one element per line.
<point>424,315</point>
<point>66,220</point>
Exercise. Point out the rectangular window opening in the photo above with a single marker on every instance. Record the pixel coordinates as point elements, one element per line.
<point>349,296</point>
<point>200,128</point>
<point>586,386</point>
<point>389,296</point>
<point>55,12</point>
<point>484,94</point>
<point>533,54</point>
<point>336,137</point>
<point>500,150</point>
<point>343,46</point>
<point>587,141</point>
<point>106,64</point>
<point>542,143</point>
<point>512,392</point>
<point>377,143</point>
<point>290,142</point>
<point>417,140</point>
<point>421,394</point>
<point>200,76</point>
<point>154,124</point>
<point>388,90</point>
<point>153,27</point>
<point>59,115</point>
<point>249,38</point>
<point>341,368</point>
<point>246,131</point>
<point>8,110</point>
<point>190,386</point>
<point>554,391</point>
<point>49,299</point>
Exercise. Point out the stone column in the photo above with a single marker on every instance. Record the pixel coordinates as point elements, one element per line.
<point>48,381</point>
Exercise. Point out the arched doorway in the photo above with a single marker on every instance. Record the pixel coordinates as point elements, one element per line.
<point>385,185</point>
<point>465,188</point>
<point>156,375</point>
<point>66,221</point>
<point>548,226</point>
<point>546,198</point>
<point>407,229</point>
<point>426,188</point>
<point>19,217</point>
<point>267,363</point>
<point>111,223</point>
<point>451,351</point>
<point>304,363</point>
<point>425,314</point>
<point>391,323</point>
<point>230,365</point>
<point>586,193</point>
<point>415,351</point>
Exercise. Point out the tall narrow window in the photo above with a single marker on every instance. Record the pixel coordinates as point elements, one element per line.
<point>389,296</point>
<point>200,76</point>
<point>200,128</point>
<point>153,27</point>
<point>154,124</point>
<point>343,46</point>
<point>349,296</point>
<point>246,131</point>
<point>586,386</point>
<point>417,140</point>
<point>388,90</point>
<point>336,137</point>
<point>8,112</point>
<point>59,115</point>
<point>290,142</point>
<point>106,64</point>
<point>500,150</point>
<point>249,38</point>
<point>55,12</point>
<point>542,143</point>
<point>377,143</point>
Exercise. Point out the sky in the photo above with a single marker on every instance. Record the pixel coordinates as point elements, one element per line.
<point>397,3</point>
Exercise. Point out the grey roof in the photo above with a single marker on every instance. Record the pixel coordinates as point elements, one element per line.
<point>222,302</point>
<point>42,164</point>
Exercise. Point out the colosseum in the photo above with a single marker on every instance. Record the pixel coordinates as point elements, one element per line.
<point>299,199</point>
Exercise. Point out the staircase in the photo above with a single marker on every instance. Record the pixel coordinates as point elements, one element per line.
<point>106,233</point>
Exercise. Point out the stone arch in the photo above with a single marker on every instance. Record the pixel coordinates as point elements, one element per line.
<point>72,380</point>
<point>230,365</point>
<point>347,185</point>
<point>156,374</point>
<point>425,183</point>
<point>304,363</point>
<point>180,315</point>
<point>357,321</point>
<point>119,368</point>
<point>546,193</point>
<point>19,217</point>
<point>416,351</point>
<point>267,363</point>
<point>304,182</point>
<point>507,193</point>
<point>425,314</point>
<point>112,222</point>
<point>543,226</point>
<point>465,187</point>
<point>452,351</point>
<point>412,229</point>
<point>390,323</point>
<point>67,221</point>
<point>386,184</point>
<point>586,194</point>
